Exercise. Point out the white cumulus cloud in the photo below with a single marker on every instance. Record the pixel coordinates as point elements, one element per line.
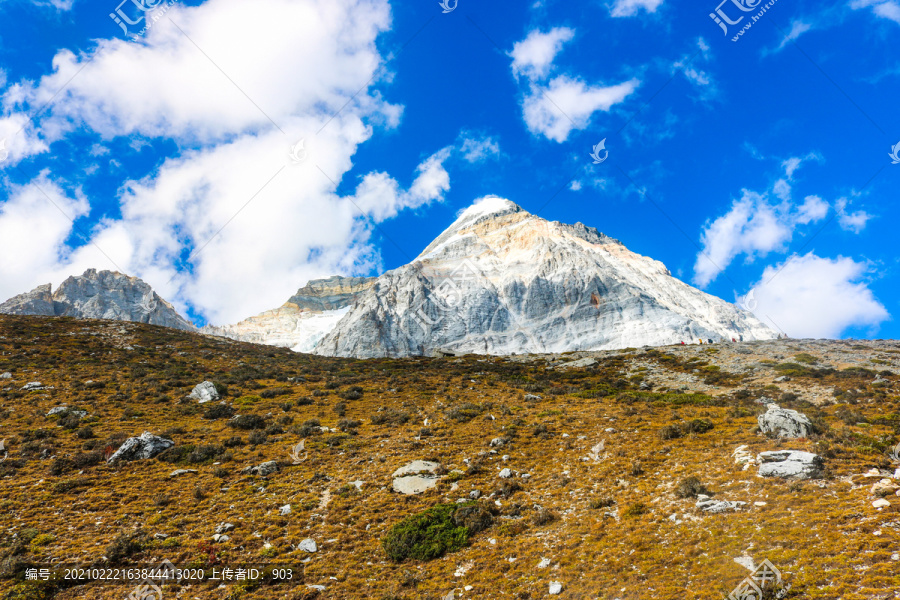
<point>629,8</point>
<point>814,297</point>
<point>534,55</point>
<point>885,9</point>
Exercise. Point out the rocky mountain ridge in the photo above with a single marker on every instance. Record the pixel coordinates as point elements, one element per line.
<point>99,295</point>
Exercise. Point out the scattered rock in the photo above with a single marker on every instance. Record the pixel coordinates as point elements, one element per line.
<point>881,503</point>
<point>581,363</point>
<point>178,472</point>
<point>885,487</point>
<point>143,447</point>
<point>555,588</point>
<point>284,510</point>
<point>782,379</point>
<point>224,527</point>
<point>743,456</point>
<point>790,464</point>
<point>416,477</point>
<point>204,392</point>
<point>5,375</point>
<point>72,411</point>
<point>532,397</point>
<point>718,506</point>
<point>475,494</point>
<point>308,545</point>
<point>220,537</point>
<point>414,484</point>
<point>263,469</point>
<point>31,386</point>
<point>545,562</point>
<point>416,467</point>
<point>505,474</point>
<point>499,441</point>
<point>784,422</point>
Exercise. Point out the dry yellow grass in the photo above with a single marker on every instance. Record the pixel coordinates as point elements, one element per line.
<point>824,535</point>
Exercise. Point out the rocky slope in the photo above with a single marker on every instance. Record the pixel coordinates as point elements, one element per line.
<point>99,295</point>
<point>626,474</point>
<point>500,281</point>
<point>303,320</point>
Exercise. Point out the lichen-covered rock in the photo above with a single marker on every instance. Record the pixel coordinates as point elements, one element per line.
<point>790,464</point>
<point>784,422</point>
<point>143,447</point>
<point>204,392</point>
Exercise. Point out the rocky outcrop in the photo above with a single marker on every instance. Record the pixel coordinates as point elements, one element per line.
<point>303,320</point>
<point>143,447</point>
<point>38,301</point>
<point>99,295</point>
<point>790,464</point>
<point>783,422</point>
<point>204,392</point>
<point>503,281</point>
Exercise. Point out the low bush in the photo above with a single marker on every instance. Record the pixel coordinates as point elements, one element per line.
<point>427,535</point>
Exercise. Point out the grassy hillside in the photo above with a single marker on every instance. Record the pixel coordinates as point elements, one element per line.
<point>617,521</point>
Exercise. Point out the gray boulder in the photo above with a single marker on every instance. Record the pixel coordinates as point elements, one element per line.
<point>5,375</point>
<point>790,464</point>
<point>65,409</point>
<point>709,505</point>
<point>784,422</point>
<point>263,469</point>
<point>204,392</point>
<point>145,446</point>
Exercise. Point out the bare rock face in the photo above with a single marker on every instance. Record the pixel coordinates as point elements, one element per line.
<point>99,295</point>
<point>38,301</point>
<point>503,281</point>
<point>303,320</point>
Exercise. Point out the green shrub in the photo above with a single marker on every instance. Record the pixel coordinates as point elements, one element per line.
<point>218,411</point>
<point>427,535</point>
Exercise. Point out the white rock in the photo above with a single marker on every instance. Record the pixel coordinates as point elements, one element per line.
<point>790,464</point>
<point>555,588</point>
<point>545,562</point>
<point>284,510</point>
<point>204,392</point>
<point>784,422</point>
<point>308,545</point>
<point>224,527</point>
<point>414,484</point>
<point>32,385</point>
<point>220,537</point>
<point>178,472</point>
<point>719,506</point>
<point>5,375</point>
<point>416,467</point>
<point>505,474</point>
<point>143,447</point>
<point>881,503</point>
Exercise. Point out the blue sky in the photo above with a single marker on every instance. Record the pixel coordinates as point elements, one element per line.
<point>757,165</point>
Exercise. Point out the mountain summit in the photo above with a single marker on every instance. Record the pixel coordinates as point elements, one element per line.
<point>99,295</point>
<point>500,280</point>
